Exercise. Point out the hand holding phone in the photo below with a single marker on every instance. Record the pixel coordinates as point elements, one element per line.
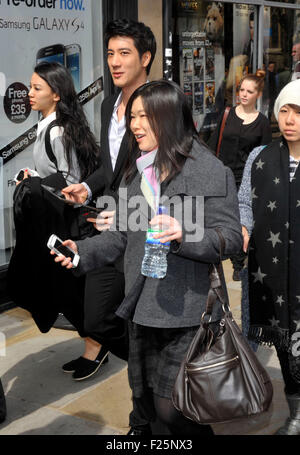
<point>24,173</point>
<point>64,251</point>
<point>104,220</point>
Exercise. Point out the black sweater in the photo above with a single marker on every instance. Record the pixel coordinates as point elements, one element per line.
<point>239,140</point>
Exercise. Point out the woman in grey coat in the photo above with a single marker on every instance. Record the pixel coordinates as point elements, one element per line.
<point>164,314</point>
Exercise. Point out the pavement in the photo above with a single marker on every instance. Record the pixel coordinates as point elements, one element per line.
<point>43,400</point>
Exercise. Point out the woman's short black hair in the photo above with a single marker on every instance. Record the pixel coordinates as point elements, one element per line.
<point>142,36</point>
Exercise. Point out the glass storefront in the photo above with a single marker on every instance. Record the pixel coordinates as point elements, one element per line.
<point>66,31</point>
<point>216,43</point>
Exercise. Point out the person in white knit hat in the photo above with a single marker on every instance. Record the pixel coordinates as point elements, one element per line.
<point>269,201</point>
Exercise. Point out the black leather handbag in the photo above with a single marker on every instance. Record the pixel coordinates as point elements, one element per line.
<point>221,378</point>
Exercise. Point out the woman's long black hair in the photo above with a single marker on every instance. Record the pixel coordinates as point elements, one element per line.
<point>77,135</point>
<point>171,121</point>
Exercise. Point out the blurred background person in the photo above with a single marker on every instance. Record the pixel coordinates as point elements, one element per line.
<point>245,129</point>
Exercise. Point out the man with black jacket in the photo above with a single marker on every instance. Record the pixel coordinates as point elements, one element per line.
<point>131,48</point>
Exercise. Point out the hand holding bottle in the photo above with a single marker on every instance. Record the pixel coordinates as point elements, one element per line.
<point>170,228</point>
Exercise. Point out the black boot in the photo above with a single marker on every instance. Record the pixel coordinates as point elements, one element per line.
<point>292,424</point>
<point>2,404</point>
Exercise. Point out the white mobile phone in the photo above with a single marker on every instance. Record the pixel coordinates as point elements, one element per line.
<point>55,244</point>
<point>20,175</point>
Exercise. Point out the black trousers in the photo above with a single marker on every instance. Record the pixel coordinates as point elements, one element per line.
<point>104,292</point>
<point>73,307</point>
<point>291,386</point>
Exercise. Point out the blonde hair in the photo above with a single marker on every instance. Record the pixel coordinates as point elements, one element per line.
<point>257,78</point>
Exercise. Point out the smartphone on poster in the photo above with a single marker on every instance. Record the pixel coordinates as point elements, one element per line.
<point>73,63</point>
<point>55,244</point>
<point>54,53</point>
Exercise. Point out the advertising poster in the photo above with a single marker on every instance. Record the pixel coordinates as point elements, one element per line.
<point>188,91</point>
<point>198,97</point>
<point>187,57</point>
<point>199,54</point>
<point>202,61</point>
<point>31,32</point>
<point>209,97</point>
<point>209,64</point>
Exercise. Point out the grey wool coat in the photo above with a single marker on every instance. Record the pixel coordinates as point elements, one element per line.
<point>178,300</point>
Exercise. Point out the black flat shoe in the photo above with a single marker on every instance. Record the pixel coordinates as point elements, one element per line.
<point>70,367</point>
<point>86,368</point>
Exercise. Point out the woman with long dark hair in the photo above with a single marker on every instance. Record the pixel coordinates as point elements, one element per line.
<point>52,93</point>
<point>164,314</point>
<point>73,156</point>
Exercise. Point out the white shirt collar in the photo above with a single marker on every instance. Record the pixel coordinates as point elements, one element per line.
<point>118,102</point>
<point>45,122</point>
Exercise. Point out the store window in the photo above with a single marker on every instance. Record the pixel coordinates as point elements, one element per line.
<point>216,43</point>
<point>66,31</point>
<point>281,53</point>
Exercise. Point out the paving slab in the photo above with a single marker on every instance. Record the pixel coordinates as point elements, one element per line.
<point>42,400</point>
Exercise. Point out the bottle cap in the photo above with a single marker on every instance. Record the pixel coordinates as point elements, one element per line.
<point>162,210</point>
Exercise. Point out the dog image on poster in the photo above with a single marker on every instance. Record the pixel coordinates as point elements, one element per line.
<point>209,97</point>
<point>214,22</point>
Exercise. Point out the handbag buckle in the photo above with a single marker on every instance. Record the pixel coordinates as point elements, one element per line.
<point>226,307</point>
<point>203,316</point>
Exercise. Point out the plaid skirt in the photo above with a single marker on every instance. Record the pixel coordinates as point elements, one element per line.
<point>155,356</point>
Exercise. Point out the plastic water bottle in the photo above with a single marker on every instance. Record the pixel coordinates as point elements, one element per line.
<point>155,259</point>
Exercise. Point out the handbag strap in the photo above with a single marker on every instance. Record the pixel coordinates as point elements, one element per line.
<point>216,290</point>
<point>225,115</point>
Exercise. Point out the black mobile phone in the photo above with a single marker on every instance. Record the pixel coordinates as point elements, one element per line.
<point>20,176</point>
<point>91,212</point>
<point>54,53</point>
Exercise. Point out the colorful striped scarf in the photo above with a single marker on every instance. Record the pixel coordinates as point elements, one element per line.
<point>150,184</point>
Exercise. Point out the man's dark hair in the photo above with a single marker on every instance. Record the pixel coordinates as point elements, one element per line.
<point>142,36</point>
